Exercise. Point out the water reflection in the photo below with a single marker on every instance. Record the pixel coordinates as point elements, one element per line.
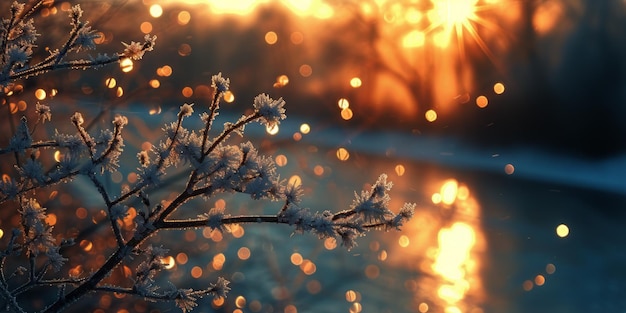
<point>448,244</point>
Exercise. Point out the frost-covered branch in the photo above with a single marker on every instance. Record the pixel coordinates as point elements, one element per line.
<point>18,37</point>
<point>210,162</point>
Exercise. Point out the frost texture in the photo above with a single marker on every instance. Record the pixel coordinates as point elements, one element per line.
<point>206,159</point>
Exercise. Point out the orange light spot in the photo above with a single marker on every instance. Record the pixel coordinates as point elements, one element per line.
<point>187,92</point>
<point>190,235</point>
<point>81,213</point>
<point>145,27</point>
<point>218,261</point>
<point>229,96</point>
<point>101,38</point>
<point>126,65</point>
<point>272,129</point>
<point>350,296</point>
<point>110,82</point>
<point>240,302</point>
<point>318,170</point>
<point>296,259</point>
<point>498,88</point>
<point>550,269</point>
<point>281,160</point>
<point>183,17</point>
<point>166,70</point>
<point>184,50</point>
<point>330,243</point>
<point>75,271</point>
<point>21,105</point>
<point>168,262</point>
<point>423,307</point>
<point>154,83</point>
<point>527,285</point>
<point>132,177</point>
<point>297,136</point>
<point>51,219</point>
<point>372,271</point>
<point>540,280</point>
<point>383,255</point>
<point>237,231</point>
<point>154,111</point>
<point>313,287</point>
<point>216,236</point>
<point>127,271</point>
<point>218,302</point>
<point>346,114</point>
<point>356,308</point>
<point>431,115</point>
<point>296,38</point>
<point>290,309</point>
<point>509,169</point>
<point>308,267</point>
<point>305,70</point>
<point>449,191</point>
<point>86,245</point>
<point>182,258</point>
<point>404,241</point>
<point>40,94</point>
<point>482,101</point>
<point>196,272</point>
<point>271,38</point>
<point>243,253</point>
<point>281,81</point>
<point>399,169</point>
<point>343,154</point>
<point>295,180</point>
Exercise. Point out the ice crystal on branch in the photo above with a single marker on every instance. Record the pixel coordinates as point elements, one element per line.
<point>271,111</point>
<point>135,50</point>
<point>18,37</point>
<point>220,83</point>
<point>206,163</point>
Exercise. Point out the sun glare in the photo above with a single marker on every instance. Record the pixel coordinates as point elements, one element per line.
<point>315,8</point>
<point>444,34</point>
<point>451,13</point>
<point>455,19</point>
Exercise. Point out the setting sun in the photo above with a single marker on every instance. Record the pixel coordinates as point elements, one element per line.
<point>453,12</point>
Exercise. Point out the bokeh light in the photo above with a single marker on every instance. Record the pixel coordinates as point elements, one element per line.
<point>562,230</point>
<point>271,38</point>
<point>156,10</point>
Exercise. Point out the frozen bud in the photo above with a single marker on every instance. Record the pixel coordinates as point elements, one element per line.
<point>185,110</point>
<point>77,119</point>
<point>43,111</point>
<point>16,8</point>
<point>120,121</point>
<point>271,111</point>
<point>144,159</point>
<point>220,83</point>
<point>75,13</point>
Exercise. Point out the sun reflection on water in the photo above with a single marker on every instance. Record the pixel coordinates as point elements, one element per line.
<point>445,246</point>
